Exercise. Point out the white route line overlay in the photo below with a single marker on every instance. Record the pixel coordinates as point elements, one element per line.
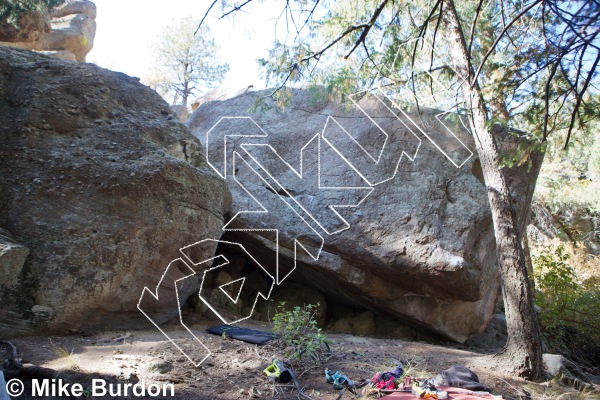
<point>226,262</point>
<point>423,131</point>
<point>223,174</point>
<point>444,89</point>
<point>315,257</point>
<point>300,174</point>
<point>237,297</point>
<point>155,296</point>
<point>381,152</point>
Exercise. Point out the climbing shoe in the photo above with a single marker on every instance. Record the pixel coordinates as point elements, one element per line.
<point>331,376</point>
<point>278,372</point>
<point>342,381</point>
<point>339,380</point>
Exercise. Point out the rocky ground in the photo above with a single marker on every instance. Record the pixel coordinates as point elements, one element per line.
<point>234,370</point>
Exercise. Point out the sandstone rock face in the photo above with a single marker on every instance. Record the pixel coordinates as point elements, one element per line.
<point>418,244</point>
<point>103,185</point>
<point>67,32</point>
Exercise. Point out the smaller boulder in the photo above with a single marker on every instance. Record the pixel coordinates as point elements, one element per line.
<point>494,336</point>
<point>74,33</point>
<point>568,372</point>
<point>70,7</point>
<point>66,31</point>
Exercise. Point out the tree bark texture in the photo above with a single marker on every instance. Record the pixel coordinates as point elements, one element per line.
<point>523,351</point>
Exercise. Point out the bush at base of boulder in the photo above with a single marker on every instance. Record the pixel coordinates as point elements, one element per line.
<point>294,294</point>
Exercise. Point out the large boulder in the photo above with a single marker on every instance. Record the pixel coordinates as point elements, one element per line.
<point>419,248</point>
<point>66,31</point>
<point>103,185</point>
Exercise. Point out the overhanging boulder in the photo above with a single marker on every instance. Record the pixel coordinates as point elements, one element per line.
<point>419,244</point>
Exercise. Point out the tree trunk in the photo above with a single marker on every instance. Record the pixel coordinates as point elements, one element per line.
<point>528,262</point>
<point>184,99</point>
<point>523,352</point>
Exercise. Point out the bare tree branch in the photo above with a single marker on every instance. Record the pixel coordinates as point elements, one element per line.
<point>473,24</point>
<point>579,98</point>
<point>576,32</point>
<point>287,6</point>
<point>368,27</point>
<point>234,9</point>
<point>421,34</point>
<point>205,15</point>
<point>499,37</point>
<point>435,31</point>
<point>319,53</point>
<point>309,17</point>
<point>547,98</point>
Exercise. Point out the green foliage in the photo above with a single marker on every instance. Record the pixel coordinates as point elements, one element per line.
<point>299,331</point>
<point>593,167</point>
<point>11,10</point>
<point>570,310</point>
<point>564,194</point>
<point>537,85</point>
<point>569,181</point>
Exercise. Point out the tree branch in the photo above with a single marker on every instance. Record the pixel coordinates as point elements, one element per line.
<point>546,98</point>
<point>287,6</point>
<point>309,17</point>
<point>579,98</point>
<point>421,34</point>
<point>435,31</point>
<point>205,15</point>
<point>472,35</point>
<point>367,28</point>
<point>504,30</point>
<point>569,24</point>
<point>319,53</point>
<point>234,9</point>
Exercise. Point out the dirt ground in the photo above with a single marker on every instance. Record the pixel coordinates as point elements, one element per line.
<point>234,370</point>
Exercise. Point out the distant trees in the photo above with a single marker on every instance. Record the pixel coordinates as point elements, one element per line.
<point>186,62</point>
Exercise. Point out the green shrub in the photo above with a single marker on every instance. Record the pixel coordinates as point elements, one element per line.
<point>11,10</point>
<point>299,331</point>
<point>570,310</point>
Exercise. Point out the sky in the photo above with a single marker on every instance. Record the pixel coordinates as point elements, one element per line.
<point>126,30</point>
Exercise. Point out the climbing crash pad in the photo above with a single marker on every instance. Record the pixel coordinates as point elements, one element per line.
<point>248,335</point>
